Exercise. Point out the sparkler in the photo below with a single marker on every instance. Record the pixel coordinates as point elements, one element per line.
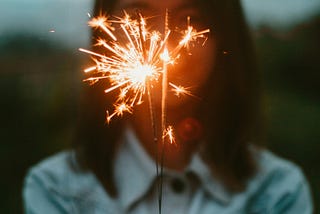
<point>134,62</point>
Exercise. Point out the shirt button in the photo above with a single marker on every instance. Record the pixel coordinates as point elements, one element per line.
<point>177,185</point>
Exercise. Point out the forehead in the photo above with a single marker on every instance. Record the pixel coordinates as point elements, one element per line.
<point>159,5</point>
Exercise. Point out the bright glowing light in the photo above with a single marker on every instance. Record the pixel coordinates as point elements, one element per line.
<point>165,55</point>
<point>119,110</point>
<point>135,61</point>
<point>101,22</point>
<point>180,90</point>
<point>191,35</point>
<point>168,134</point>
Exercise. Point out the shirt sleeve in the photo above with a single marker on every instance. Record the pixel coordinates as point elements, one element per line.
<point>279,188</point>
<point>297,201</point>
<point>38,197</point>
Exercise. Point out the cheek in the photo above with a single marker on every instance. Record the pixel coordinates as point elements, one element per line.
<point>193,70</point>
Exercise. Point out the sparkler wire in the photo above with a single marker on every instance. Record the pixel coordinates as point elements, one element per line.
<point>163,107</point>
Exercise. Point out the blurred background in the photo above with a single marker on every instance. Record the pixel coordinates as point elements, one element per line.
<point>41,68</point>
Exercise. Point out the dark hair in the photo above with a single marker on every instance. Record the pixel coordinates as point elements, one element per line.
<point>230,107</point>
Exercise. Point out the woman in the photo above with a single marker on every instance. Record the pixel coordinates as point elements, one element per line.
<point>216,168</point>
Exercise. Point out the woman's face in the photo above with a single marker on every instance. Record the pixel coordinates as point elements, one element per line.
<point>193,67</point>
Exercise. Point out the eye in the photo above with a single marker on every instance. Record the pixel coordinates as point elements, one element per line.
<point>135,7</point>
<point>180,18</point>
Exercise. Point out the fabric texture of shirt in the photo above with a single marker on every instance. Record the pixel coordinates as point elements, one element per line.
<point>58,185</point>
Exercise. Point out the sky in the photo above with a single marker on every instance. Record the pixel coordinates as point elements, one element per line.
<point>66,20</point>
<point>279,13</point>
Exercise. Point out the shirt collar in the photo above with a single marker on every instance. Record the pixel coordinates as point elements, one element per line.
<point>210,184</point>
<point>135,172</point>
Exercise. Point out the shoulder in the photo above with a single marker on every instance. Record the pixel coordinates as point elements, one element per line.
<point>57,183</point>
<point>59,173</point>
<point>273,166</point>
<point>279,185</point>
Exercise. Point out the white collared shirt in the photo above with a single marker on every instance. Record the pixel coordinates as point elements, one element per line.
<point>54,186</point>
<point>136,181</point>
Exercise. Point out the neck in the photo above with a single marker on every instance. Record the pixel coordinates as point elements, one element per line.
<point>176,156</point>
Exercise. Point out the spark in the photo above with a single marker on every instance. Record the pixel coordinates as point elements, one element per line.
<point>191,35</point>
<point>101,22</point>
<point>134,58</point>
<point>119,110</point>
<point>165,55</point>
<point>87,70</point>
<point>169,134</point>
<point>179,90</point>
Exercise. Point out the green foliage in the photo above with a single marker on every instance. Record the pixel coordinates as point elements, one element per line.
<point>39,85</point>
<point>290,66</point>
